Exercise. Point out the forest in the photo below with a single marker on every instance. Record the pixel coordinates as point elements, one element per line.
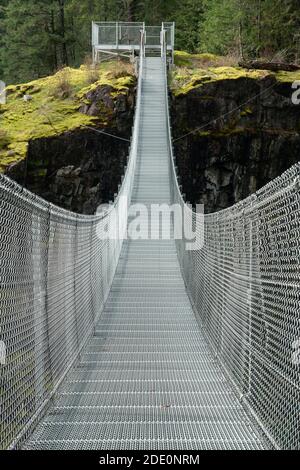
<point>37,37</point>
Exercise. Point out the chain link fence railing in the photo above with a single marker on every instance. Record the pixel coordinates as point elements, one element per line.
<point>116,33</point>
<point>55,275</point>
<point>245,287</point>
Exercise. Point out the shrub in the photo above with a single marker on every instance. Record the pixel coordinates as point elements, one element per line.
<point>92,71</point>
<point>121,69</point>
<point>62,88</point>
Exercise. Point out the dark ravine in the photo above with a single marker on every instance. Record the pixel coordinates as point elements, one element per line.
<point>220,164</point>
<point>224,162</point>
<point>80,169</point>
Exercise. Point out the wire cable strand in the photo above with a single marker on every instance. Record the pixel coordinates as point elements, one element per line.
<point>106,133</point>
<point>259,95</point>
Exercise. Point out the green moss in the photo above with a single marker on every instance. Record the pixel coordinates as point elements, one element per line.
<point>288,77</point>
<point>119,85</point>
<point>185,80</point>
<point>50,112</point>
<point>41,173</point>
<point>233,73</point>
<point>184,59</point>
<point>225,132</point>
<point>194,70</point>
<point>246,112</point>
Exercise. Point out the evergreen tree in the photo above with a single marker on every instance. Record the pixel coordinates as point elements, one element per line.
<point>220,30</point>
<point>188,17</point>
<point>27,51</point>
<point>3,4</point>
<point>37,37</point>
<point>251,28</point>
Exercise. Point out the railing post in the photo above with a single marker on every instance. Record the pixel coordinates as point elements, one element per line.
<point>173,41</point>
<point>117,35</point>
<point>94,40</point>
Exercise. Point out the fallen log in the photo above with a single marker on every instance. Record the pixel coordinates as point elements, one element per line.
<point>272,66</point>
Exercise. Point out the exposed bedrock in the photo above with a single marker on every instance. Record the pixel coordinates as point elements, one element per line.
<point>245,133</point>
<point>80,169</point>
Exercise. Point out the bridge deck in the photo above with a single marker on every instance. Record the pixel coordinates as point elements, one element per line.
<point>146,379</point>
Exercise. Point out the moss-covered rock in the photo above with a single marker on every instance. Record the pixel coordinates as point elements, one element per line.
<point>195,70</point>
<point>54,105</point>
<point>184,59</point>
<point>234,131</point>
<point>185,80</point>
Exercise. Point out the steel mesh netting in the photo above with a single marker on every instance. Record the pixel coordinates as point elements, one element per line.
<point>116,33</point>
<point>153,35</point>
<point>245,286</point>
<point>169,28</point>
<point>129,34</point>
<point>107,34</point>
<point>55,275</point>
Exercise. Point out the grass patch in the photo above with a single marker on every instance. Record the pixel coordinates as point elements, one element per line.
<point>92,71</point>
<point>184,59</point>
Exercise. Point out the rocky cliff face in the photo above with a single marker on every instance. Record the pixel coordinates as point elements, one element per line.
<point>255,140</point>
<point>242,131</point>
<point>82,168</point>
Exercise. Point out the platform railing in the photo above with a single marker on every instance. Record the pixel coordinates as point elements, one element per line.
<point>114,35</point>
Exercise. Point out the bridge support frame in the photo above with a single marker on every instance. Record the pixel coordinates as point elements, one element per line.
<point>120,39</point>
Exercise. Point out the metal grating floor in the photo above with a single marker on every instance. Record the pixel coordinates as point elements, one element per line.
<point>146,379</point>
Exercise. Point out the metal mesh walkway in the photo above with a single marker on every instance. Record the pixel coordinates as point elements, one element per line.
<point>147,379</point>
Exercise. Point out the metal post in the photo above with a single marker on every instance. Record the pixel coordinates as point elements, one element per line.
<point>94,41</point>
<point>162,40</point>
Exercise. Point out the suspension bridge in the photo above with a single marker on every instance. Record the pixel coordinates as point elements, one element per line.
<point>141,344</point>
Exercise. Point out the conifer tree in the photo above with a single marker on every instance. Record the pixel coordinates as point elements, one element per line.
<point>37,36</point>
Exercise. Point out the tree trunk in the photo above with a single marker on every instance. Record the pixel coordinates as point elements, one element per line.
<point>105,10</point>
<point>130,6</point>
<point>259,16</point>
<point>241,48</point>
<point>273,66</point>
<point>55,62</point>
<point>64,52</point>
<point>91,7</point>
<point>73,48</point>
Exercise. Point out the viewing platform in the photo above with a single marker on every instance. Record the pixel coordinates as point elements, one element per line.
<point>124,39</point>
